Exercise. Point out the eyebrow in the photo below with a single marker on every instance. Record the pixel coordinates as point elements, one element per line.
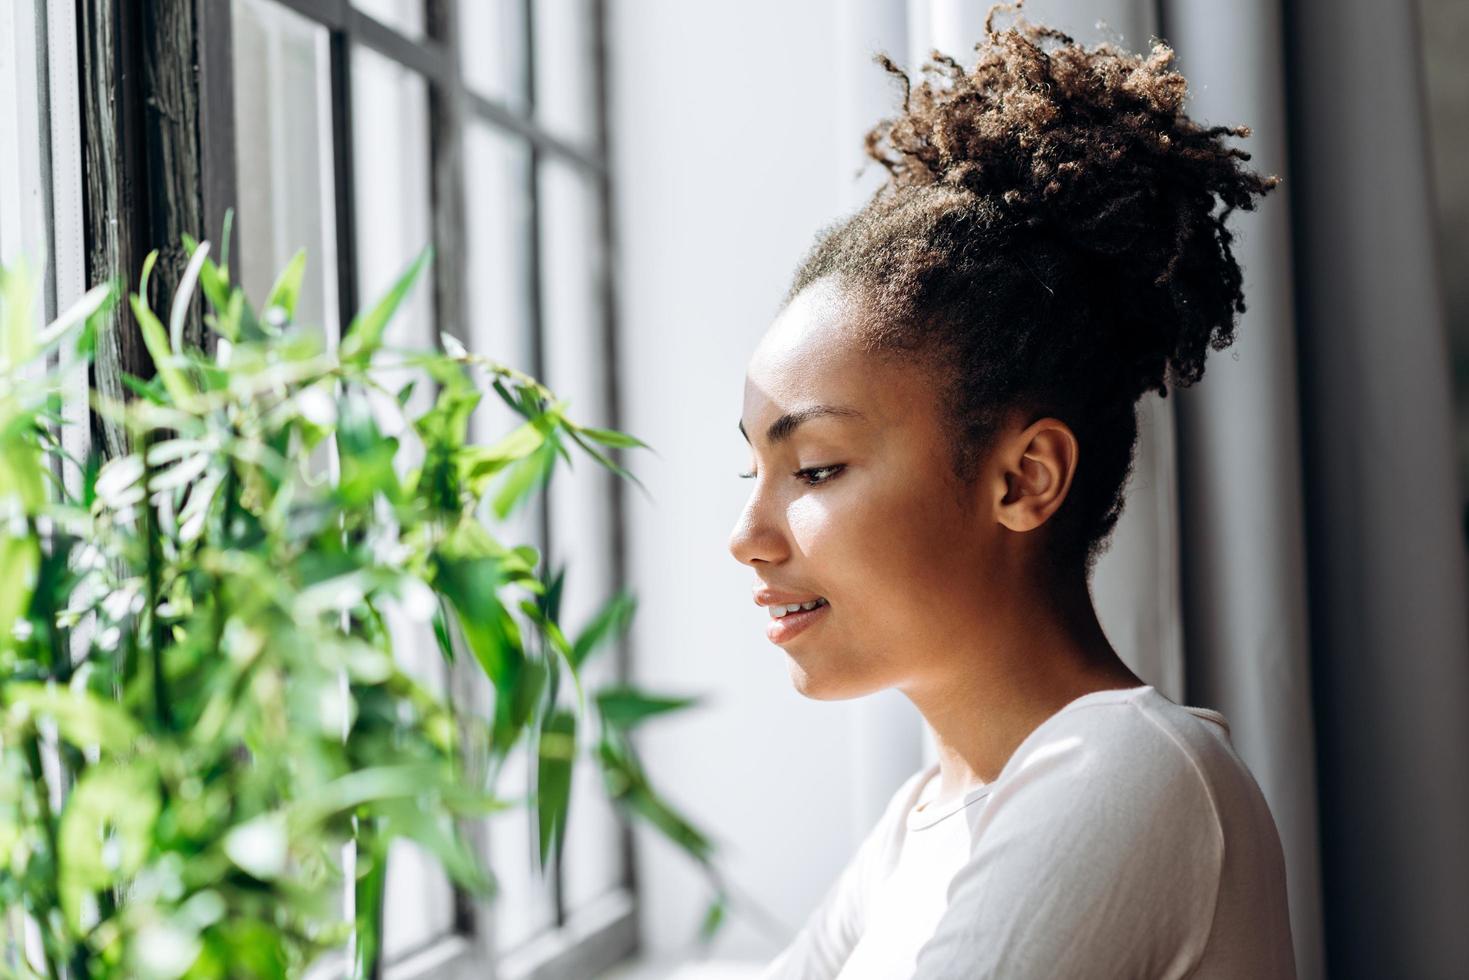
<point>781,428</point>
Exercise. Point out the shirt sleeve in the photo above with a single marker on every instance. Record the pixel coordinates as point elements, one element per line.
<point>823,944</point>
<point>1086,866</point>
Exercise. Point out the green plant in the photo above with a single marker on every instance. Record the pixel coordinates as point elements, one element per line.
<point>200,705</point>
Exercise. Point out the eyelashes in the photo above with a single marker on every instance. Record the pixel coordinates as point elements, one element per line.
<point>808,475</point>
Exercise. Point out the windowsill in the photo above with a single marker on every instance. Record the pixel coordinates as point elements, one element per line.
<point>662,968</point>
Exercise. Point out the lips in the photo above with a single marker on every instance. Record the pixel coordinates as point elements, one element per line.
<point>787,627</point>
<point>772,597</point>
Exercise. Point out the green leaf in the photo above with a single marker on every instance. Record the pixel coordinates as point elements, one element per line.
<point>606,460</point>
<point>17,333</point>
<point>365,333</point>
<point>470,584</point>
<point>366,454</point>
<point>372,876</point>
<point>628,785</point>
<point>478,463</point>
<point>20,559</point>
<point>82,718</point>
<point>611,437</point>
<point>624,706</point>
<point>714,917</point>
<point>177,384</point>
<point>106,830</point>
<point>423,823</point>
<point>259,847</point>
<point>179,311</point>
<point>556,754</point>
<point>610,621</point>
<point>523,478</point>
<point>93,301</point>
<point>288,286</point>
<point>550,603</point>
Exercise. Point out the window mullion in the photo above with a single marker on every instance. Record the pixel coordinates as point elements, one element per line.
<point>343,178</point>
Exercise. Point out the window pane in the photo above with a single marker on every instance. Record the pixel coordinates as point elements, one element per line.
<point>497,233</point>
<point>406,16</point>
<point>581,513</point>
<point>391,159</point>
<point>565,81</point>
<point>492,50</point>
<point>524,906</point>
<point>23,201</point>
<point>392,212</point>
<point>283,153</point>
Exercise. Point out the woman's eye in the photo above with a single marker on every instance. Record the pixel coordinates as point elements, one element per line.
<point>810,475</point>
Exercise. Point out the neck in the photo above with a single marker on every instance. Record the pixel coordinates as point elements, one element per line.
<point>1043,651</point>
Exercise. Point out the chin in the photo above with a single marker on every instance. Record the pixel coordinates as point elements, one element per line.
<point>824,687</point>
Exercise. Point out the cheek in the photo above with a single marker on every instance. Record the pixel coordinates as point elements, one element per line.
<point>886,540</point>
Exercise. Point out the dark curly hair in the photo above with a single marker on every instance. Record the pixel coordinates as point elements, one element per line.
<point>1052,239</point>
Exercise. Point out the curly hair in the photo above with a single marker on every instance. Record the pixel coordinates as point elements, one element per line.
<point>1051,239</point>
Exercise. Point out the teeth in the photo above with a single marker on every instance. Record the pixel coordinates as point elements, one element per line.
<point>779,611</point>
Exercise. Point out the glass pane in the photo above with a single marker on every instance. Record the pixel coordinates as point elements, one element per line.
<point>391,157</point>
<point>565,80</point>
<point>492,49</point>
<point>497,233</point>
<point>524,907</point>
<point>23,196</point>
<point>572,263</point>
<point>406,16</point>
<point>283,154</point>
<point>392,211</point>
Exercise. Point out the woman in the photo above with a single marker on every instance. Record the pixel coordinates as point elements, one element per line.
<point>942,419</point>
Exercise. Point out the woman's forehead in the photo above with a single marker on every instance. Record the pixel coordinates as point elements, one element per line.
<point>812,341</point>
<point>812,355</point>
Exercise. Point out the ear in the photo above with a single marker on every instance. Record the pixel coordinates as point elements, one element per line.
<point>1037,466</point>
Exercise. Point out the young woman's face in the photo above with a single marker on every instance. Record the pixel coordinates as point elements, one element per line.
<point>852,500</point>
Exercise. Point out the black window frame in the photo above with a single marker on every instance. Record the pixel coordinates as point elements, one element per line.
<point>158,138</point>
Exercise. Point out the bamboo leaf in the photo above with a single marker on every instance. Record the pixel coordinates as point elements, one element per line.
<point>624,707</point>
<point>365,333</point>
<point>288,286</point>
<point>183,295</point>
<point>174,381</point>
<point>611,437</point>
<point>610,621</point>
<point>81,717</point>
<point>556,755</point>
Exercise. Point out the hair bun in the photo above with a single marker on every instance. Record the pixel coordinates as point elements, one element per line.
<point>1092,147</point>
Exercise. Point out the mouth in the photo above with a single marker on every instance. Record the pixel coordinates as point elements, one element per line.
<point>785,624</point>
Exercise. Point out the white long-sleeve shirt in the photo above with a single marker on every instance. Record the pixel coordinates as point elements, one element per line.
<point>1124,838</point>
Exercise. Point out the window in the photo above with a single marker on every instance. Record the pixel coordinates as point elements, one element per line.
<point>363,131</point>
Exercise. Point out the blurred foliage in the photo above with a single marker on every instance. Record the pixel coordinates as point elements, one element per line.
<point>200,701</point>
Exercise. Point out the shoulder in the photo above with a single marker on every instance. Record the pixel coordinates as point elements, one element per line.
<point>1126,786</point>
<point>1098,851</point>
<point>1141,746</point>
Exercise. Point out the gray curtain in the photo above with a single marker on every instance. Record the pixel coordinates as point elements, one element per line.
<point>1390,634</point>
<point>1240,467</point>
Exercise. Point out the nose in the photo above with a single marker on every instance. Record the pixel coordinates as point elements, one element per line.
<point>757,537</point>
